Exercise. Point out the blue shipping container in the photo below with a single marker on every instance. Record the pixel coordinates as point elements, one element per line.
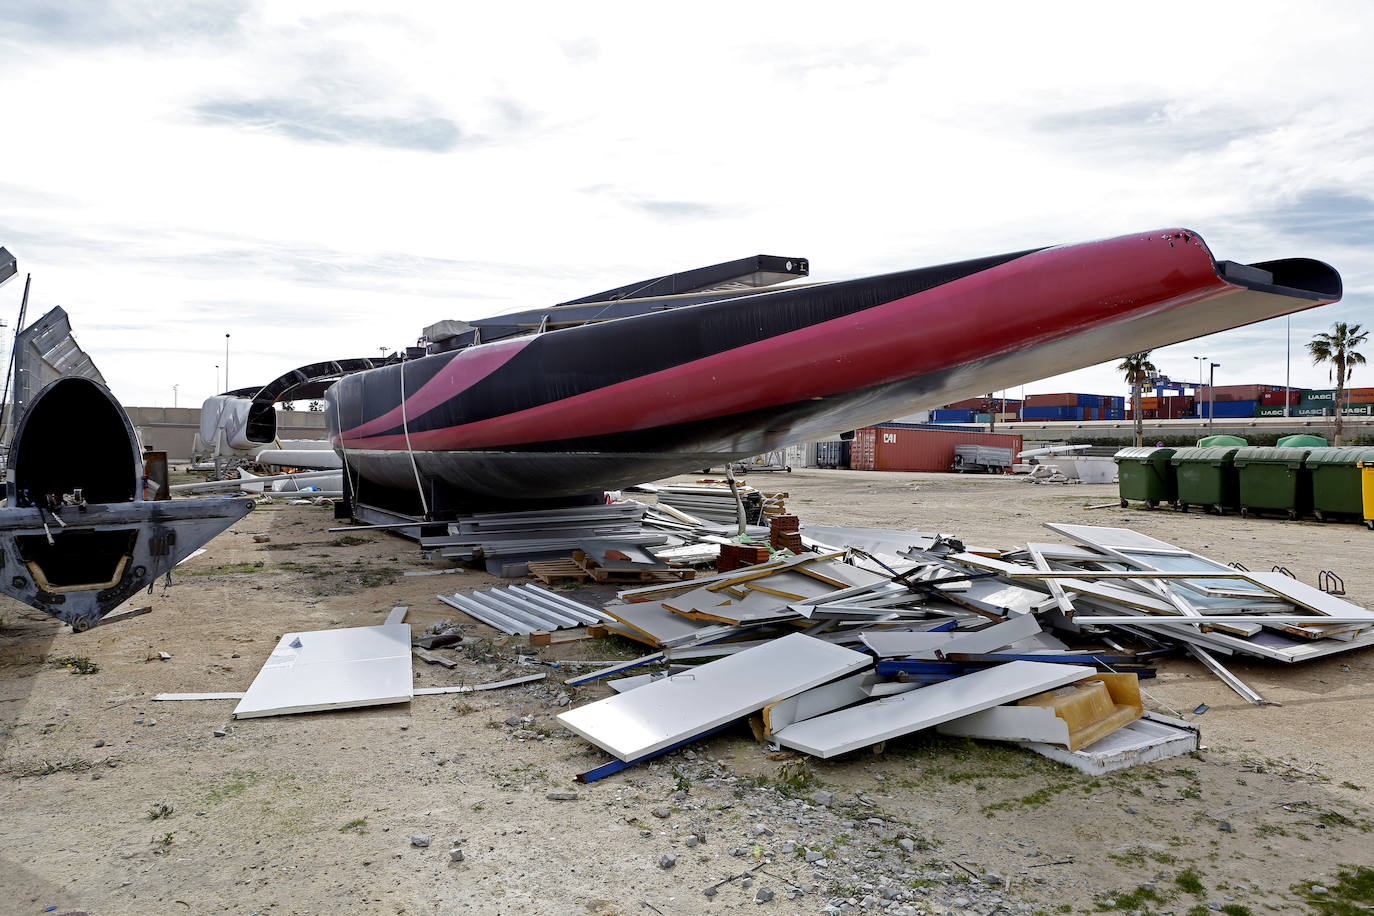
<point>952,416</point>
<point>1230,409</point>
<point>1052,413</point>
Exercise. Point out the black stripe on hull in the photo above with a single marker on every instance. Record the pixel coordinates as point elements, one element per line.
<point>556,365</point>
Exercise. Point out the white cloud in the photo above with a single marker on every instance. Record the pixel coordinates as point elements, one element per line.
<point>321,180</point>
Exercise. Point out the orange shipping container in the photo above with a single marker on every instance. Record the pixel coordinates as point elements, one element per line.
<point>887,448</point>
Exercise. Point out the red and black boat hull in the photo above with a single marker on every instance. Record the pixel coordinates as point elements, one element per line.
<point>604,405</point>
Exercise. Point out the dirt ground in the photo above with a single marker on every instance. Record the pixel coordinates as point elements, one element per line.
<point>315,813</point>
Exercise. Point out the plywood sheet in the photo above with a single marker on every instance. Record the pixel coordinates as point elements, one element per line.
<point>666,712</point>
<point>878,720</point>
<point>332,669</point>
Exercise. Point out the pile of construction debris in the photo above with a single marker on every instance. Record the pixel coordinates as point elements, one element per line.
<point>870,634</point>
<point>826,640</point>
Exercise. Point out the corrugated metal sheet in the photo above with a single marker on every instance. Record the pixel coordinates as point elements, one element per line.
<point>524,609</point>
<point>885,448</point>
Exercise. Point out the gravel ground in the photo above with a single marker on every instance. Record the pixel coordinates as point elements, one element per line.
<point>115,804</point>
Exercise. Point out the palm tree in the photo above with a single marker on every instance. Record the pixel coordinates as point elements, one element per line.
<point>1138,370</point>
<point>1337,347</point>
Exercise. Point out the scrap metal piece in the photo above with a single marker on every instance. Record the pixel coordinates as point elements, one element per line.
<point>1229,679</point>
<point>77,538</point>
<point>524,609</point>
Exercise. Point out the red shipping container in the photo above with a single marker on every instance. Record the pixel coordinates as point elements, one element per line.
<point>1051,400</point>
<point>1275,398</point>
<point>1238,392</point>
<point>1175,407</point>
<point>884,448</point>
<point>1361,395</point>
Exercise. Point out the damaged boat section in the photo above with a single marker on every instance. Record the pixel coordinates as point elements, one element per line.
<point>77,537</point>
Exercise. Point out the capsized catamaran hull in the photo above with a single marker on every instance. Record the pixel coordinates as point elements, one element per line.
<point>603,405</point>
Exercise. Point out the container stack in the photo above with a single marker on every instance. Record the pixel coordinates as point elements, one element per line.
<point>1073,407</point>
<point>900,448</point>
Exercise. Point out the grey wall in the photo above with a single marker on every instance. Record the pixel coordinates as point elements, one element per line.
<point>173,429</point>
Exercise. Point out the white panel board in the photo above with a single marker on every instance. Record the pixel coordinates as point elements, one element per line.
<point>1152,737</point>
<point>878,720</point>
<point>658,715</point>
<point>1010,723</point>
<point>925,645</point>
<point>816,701</point>
<point>332,669</point>
<point>900,644</point>
<point>1304,595</point>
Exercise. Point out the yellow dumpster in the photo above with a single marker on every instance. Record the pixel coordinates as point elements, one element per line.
<point>1367,485</point>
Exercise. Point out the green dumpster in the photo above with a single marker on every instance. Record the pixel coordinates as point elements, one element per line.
<point>1274,480</point>
<point>1301,441</point>
<point>1218,440</point>
<point>1206,477</point>
<point>1145,474</point>
<point>1336,487</point>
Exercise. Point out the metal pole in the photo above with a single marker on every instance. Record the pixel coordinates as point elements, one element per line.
<point>14,356</point>
<point>1211,395</point>
<point>1288,367</point>
<point>218,389</point>
<point>174,396</point>
<point>1201,360</point>
<point>226,362</point>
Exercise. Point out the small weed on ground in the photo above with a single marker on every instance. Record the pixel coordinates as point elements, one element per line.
<point>354,826</point>
<point>227,569</point>
<point>234,785</point>
<point>1190,882</point>
<point>77,664</point>
<point>159,811</point>
<point>1349,893</point>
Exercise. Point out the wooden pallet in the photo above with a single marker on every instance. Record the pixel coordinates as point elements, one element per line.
<point>547,571</point>
<point>640,575</point>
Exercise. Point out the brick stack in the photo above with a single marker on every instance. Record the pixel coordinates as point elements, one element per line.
<point>784,533</point>
<point>735,556</point>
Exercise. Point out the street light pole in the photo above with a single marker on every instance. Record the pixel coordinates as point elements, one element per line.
<point>1211,395</point>
<point>174,396</point>
<point>1201,366</point>
<point>1288,368</point>
<point>218,389</point>
<point>226,362</point>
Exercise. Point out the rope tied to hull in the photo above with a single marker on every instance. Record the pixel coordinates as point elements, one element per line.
<point>405,427</point>
<point>343,452</point>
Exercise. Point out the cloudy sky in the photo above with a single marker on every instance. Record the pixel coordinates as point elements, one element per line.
<point>322,181</point>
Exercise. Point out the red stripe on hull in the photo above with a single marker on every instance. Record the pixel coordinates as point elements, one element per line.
<point>1038,298</point>
<point>462,372</point>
